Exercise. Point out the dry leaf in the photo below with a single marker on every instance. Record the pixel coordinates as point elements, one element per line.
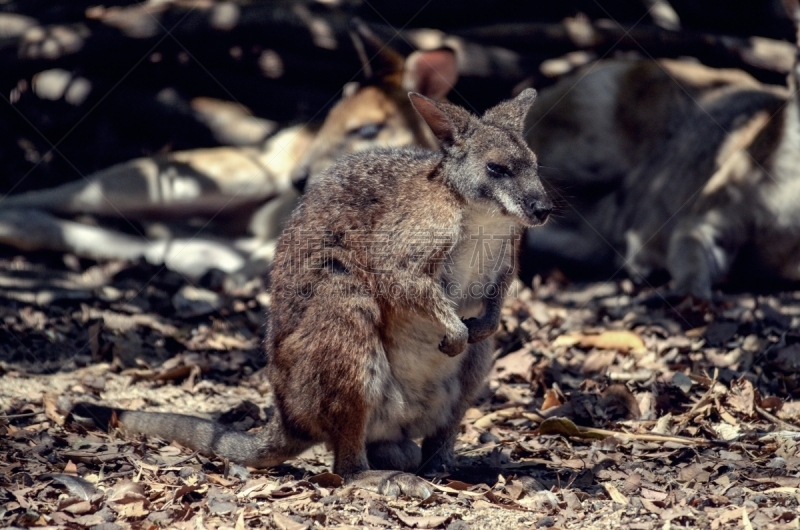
<point>77,486</point>
<point>651,506</point>
<point>727,432</point>
<point>742,396</point>
<point>130,509</point>
<point>70,468</point>
<point>551,400</point>
<point>284,522</point>
<point>125,489</point>
<point>515,365</point>
<point>623,341</point>
<point>327,480</point>
<point>615,494</point>
<point>746,520</point>
<point>421,522</point>
<point>566,427</point>
<point>77,508</point>
<point>51,410</point>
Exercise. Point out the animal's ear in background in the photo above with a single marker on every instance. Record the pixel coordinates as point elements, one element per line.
<point>350,89</point>
<point>380,63</point>
<point>432,73</point>
<point>793,9</point>
<point>513,111</point>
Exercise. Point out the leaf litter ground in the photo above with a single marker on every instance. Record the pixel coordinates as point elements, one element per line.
<point>606,407</point>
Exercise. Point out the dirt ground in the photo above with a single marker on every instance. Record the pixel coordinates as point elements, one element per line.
<point>607,408</point>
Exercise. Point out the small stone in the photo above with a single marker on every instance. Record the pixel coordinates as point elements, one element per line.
<point>487,437</point>
<point>545,522</point>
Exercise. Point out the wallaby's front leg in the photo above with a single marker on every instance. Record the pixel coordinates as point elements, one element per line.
<point>483,327</point>
<point>423,295</point>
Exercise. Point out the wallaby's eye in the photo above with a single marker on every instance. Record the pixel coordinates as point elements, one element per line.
<point>368,131</point>
<point>497,170</point>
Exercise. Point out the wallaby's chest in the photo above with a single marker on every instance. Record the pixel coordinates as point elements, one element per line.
<point>487,244</point>
<point>422,385</point>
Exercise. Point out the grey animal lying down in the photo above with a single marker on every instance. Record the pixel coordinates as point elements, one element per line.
<point>670,166</point>
<point>239,196</point>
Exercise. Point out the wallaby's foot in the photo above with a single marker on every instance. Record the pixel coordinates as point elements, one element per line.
<point>455,342</point>
<point>438,454</point>
<point>676,300</point>
<point>404,455</point>
<point>391,483</point>
<point>694,287</point>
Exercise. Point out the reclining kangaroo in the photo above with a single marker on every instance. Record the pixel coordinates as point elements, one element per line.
<point>380,325</point>
<point>241,196</point>
<point>670,166</point>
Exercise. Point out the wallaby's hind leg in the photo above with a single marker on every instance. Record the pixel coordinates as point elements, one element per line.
<point>702,249</point>
<point>331,386</point>
<point>350,461</point>
<point>404,455</point>
<point>438,449</point>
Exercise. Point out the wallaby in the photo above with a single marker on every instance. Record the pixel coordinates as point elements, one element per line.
<point>666,166</point>
<point>241,196</point>
<point>381,317</point>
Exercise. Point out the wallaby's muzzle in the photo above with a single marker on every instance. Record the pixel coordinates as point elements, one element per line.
<point>539,209</point>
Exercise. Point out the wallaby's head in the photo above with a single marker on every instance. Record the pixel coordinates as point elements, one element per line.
<point>377,113</point>
<point>486,160</point>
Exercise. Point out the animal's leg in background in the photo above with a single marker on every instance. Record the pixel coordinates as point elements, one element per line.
<point>703,247</point>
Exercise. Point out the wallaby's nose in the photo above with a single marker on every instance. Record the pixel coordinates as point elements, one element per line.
<point>300,178</point>
<point>541,209</point>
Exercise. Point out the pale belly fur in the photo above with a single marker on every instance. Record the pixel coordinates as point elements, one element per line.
<point>418,386</point>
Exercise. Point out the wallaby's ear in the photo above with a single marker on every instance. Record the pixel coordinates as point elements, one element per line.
<point>512,112</point>
<point>792,8</point>
<point>381,64</point>
<point>440,123</point>
<point>431,73</point>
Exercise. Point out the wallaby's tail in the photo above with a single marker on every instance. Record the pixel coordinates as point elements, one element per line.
<point>268,447</point>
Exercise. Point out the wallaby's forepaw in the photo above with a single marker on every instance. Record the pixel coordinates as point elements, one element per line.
<point>479,329</point>
<point>455,342</point>
<point>392,483</point>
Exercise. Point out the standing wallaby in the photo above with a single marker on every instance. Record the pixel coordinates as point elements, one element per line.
<point>386,288</point>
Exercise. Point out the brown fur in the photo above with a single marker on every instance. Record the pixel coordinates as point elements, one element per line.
<point>376,334</point>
